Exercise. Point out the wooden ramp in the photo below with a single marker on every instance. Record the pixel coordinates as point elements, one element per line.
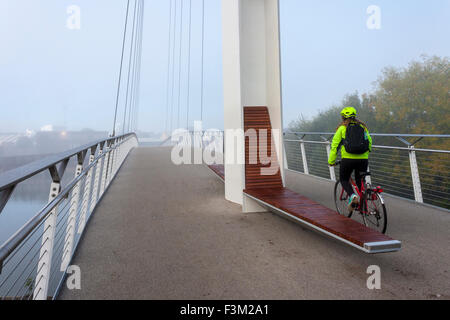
<point>324,220</point>
<point>268,190</point>
<point>218,169</point>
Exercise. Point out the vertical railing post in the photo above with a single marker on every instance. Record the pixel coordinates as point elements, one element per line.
<point>415,175</point>
<point>46,252</point>
<point>305,163</point>
<point>223,145</point>
<point>5,195</point>
<point>285,161</point>
<point>116,153</point>
<point>86,193</point>
<point>48,237</point>
<point>74,204</point>
<point>112,161</point>
<point>331,168</point>
<point>202,145</point>
<point>104,174</point>
<point>118,156</point>
<point>122,152</point>
<point>98,169</point>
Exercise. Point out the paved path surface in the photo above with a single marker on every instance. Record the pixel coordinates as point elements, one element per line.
<point>165,232</point>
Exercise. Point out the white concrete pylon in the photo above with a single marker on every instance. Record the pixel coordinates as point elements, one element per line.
<point>252,77</point>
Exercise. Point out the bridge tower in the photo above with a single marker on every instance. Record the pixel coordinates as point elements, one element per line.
<point>252,77</point>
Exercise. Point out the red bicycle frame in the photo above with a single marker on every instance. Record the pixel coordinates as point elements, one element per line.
<point>360,192</point>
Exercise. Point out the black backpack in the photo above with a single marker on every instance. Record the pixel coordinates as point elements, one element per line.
<point>355,139</point>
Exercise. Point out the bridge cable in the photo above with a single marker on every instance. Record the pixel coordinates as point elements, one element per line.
<point>168,64</point>
<point>136,121</point>
<point>173,66</point>
<point>189,66</point>
<point>135,68</point>
<point>129,68</point>
<point>120,71</point>
<point>203,50</point>
<point>179,64</point>
<point>136,116</point>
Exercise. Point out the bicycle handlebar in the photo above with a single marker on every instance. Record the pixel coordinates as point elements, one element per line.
<point>336,163</point>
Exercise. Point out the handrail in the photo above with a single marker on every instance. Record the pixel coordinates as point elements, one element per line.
<point>74,205</point>
<point>377,146</point>
<point>16,239</point>
<point>410,146</point>
<point>17,175</point>
<point>403,135</point>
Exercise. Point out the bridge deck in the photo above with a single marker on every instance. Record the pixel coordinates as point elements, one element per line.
<point>166,232</point>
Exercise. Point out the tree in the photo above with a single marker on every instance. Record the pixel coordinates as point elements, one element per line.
<point>415,99</point>
<point>328,120</point>
<point>410,100</point>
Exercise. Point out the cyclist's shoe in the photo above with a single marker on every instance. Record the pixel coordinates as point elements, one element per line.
<point>353,202</point>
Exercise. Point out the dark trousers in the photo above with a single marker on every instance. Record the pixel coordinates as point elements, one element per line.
<point>346,169</point>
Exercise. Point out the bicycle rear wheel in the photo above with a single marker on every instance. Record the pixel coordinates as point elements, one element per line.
<point>341,200</point>
<point>375,216</point>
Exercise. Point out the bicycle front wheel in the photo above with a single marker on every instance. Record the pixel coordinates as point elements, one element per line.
<point>375,216</point>
<point>341,200</point>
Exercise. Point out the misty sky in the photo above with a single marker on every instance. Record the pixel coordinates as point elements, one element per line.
<point>52,75</point>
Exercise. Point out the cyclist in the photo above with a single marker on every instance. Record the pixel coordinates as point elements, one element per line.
<point>355,143</point>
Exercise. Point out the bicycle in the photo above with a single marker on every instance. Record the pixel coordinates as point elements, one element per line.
<point>371,204</point>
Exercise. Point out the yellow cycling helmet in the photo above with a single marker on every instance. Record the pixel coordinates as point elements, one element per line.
<point>348,112</point>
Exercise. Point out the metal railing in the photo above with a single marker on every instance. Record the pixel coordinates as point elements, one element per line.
<point>420,174</point>
<point>403,169</point>
<point>34,261</point>
<point>212,140</point>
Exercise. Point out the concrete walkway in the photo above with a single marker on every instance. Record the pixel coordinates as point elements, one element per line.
<point>165,232</point>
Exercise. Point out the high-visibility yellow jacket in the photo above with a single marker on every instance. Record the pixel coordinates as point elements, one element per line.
<point>338,136</point>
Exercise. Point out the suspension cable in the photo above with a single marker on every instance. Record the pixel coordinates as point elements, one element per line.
<point>129,68</point>
<point>173,66</point>
<point>189,66</point>
<point>138,90</point>
<point>179,64</point>
<point>120,71</point>
<point>168,65</point>
<point>203,50</point>
<point>135,70</point>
